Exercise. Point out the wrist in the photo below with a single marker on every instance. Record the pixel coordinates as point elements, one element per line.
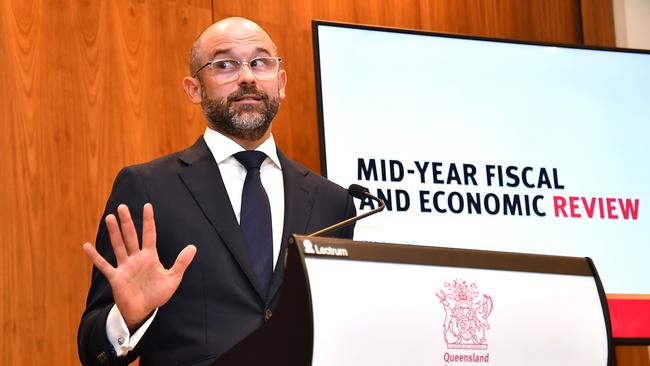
<point>134,323</point>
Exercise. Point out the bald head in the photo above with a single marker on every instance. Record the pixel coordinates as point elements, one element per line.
<point>225,34</point>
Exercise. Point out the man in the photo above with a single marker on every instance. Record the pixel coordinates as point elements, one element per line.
<point>219,287</point>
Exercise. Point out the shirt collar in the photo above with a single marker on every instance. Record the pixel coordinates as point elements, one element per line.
<point>223,147</point>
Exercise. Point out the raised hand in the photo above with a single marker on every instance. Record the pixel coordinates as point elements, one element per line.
<point>140,283</point>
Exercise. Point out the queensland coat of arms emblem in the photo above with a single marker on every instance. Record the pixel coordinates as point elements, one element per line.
<point>466,315</point>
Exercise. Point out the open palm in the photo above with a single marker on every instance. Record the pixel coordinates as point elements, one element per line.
<point>140,283</point>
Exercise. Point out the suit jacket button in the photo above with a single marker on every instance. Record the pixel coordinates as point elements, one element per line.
<point>102,358</point>
<point>268,314</point>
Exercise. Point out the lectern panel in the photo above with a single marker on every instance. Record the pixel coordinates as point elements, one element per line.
<point>379,309</point>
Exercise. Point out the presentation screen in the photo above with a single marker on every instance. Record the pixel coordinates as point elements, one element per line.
<point>489,144</point>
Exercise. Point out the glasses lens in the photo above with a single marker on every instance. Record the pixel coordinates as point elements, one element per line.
<point>264,67</point>
<point>261,67</point>
<point>226,69</point>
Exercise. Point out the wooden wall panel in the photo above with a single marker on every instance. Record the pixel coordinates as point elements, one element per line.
<point>632,356</point>
<point>598,22</point>
<point>87,87</point>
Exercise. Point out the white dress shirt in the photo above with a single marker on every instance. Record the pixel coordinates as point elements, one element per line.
<point>233,174</point>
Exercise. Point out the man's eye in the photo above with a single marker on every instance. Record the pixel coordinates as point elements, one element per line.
<point>225,65</point>
<point>259,63</point>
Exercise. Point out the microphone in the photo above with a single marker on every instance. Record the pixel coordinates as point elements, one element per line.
<point>359,192</point>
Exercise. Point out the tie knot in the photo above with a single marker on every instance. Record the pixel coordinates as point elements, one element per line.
<point>250,159</point>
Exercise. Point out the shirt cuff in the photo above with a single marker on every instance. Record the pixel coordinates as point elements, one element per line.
<point>118,333</point>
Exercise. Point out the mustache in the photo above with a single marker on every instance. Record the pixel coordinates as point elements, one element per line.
<point>247,90</point>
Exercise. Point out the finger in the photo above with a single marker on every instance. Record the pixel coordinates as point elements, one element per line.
<point>183,260</point>
<point>148,228</point>
<point>116,238</point>
<point>99,261</point>
<point>128,230</point>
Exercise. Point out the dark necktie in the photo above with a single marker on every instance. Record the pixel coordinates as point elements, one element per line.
<point>255,218</point>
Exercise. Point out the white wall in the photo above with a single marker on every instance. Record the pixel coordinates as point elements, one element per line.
<point>632,23</point>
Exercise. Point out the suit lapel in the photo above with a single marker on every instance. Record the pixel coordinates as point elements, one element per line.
<point>298,200</point>
<point>203,179</point>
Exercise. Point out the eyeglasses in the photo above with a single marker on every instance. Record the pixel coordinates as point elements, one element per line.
<point>227,70</point>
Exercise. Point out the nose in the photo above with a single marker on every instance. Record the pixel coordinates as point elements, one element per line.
<point>246,75</point>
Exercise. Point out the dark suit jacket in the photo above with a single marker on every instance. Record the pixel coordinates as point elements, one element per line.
<point>218,302</point>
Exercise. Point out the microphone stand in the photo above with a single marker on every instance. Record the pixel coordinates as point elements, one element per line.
<point>364,194</point>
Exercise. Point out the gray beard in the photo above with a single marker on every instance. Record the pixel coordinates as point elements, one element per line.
<point>247,122</point>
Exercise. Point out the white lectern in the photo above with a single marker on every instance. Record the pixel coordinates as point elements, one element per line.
<point>356,303</point>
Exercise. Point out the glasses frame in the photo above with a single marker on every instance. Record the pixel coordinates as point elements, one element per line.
<point>241,64</point>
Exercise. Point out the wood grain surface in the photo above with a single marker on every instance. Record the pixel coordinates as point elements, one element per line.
<point>598,22</point>
<point>87,87</point>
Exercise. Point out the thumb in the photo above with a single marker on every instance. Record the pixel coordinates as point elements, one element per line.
<point>183,260</point>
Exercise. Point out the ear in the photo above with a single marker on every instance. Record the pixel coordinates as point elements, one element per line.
<point>192,88</point>
<point>282,83</point>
